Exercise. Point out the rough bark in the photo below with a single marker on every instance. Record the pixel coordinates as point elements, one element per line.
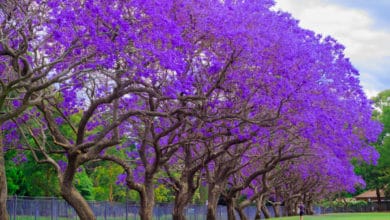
<point>378,197</point>
<point>147,202</point>
<point>230,209</point>
<point>211,211</point>
<point>214,193</point>
<point>289,208</point>
<point>241,213</point>
<point>178,210</point>
<point>186,186</point>
<point>257,215</point>
<point>182,199</point>
<point>276,204</point>
<point>241,206</point>
<point>3,183</point>
<point>309,208</point>
<point>276,207</point>
<point>265,211</point>
<point>70,193</point>
<point>76,200</point>
<point>260,206</point>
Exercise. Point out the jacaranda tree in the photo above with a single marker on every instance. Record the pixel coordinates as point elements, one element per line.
<point>29,65</point>
<point>226,90</point>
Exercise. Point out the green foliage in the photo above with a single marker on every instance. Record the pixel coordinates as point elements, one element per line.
<point>29,178</point>
<point>96,181</point>
<point>84,185</point>
<point>196,198</point>
<point>163,194</point>
<point>379,176</point>
<point>387,191</point>
<point>14,179</point>
<point>384,150</point>
<point>343,203</point>
<point>133,195</point>
<point>104,177</point>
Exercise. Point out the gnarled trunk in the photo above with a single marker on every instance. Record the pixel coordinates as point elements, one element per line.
<point>147,202</point>
<point>212,202</point>
<point>77,201</point>
<point>276,207</point>
<point>241,213</point>
<point>257,215</point>
<point>265,211</point>
<point>70,193</point>
<point>3,183</point>
<point>182,198</point>
<point>178,209</point>
<point>230,208</point>
<point>261,208</point>
<point>378,197</point>
<point>309,208</point>
<point>290,209</point>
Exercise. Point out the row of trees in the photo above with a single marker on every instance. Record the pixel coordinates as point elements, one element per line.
<point>98,182</point>
<point>228,94</point>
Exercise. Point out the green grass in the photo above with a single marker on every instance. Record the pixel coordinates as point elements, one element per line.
<point>344,216</point>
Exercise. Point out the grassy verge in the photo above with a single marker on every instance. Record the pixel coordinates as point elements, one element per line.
<point>344,216</point>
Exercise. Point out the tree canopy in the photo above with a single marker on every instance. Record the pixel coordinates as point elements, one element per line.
<point>377,176</point>
<point>223,93</point>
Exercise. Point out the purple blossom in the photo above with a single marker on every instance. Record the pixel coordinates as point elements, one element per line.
<point>62,165</point>
<point>19,158</point>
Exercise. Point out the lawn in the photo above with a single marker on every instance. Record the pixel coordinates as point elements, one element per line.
<point>344,216</point>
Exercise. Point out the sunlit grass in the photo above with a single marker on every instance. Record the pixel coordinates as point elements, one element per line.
<point>344,216</point>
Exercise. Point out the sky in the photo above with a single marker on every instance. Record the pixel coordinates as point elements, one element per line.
<point>362,26</point>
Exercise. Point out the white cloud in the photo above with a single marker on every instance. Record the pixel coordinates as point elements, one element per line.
<point>371,93</point>
<point>368,48</point>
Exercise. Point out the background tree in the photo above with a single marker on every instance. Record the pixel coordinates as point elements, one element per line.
<point>377,176</point>
<point>26,178</point>
<point>382,102</point>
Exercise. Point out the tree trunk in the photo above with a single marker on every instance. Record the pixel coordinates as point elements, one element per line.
<point>309,208</point>
<point>230,209</point>
<point>242,214</point>
<point>257,215</point>
<point>378,196</point>
<point>3,182</point>
<point>212,202</point>
<point>70,193</point>
<point>182,199</point>
<point>265,211</point>
<point>178,209</point>
<point>276,207</point>
<point>289,208</point>
<point>76,200</point>
<point>211,211</point>
<point>260,206</point>
<point>147,202</point>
